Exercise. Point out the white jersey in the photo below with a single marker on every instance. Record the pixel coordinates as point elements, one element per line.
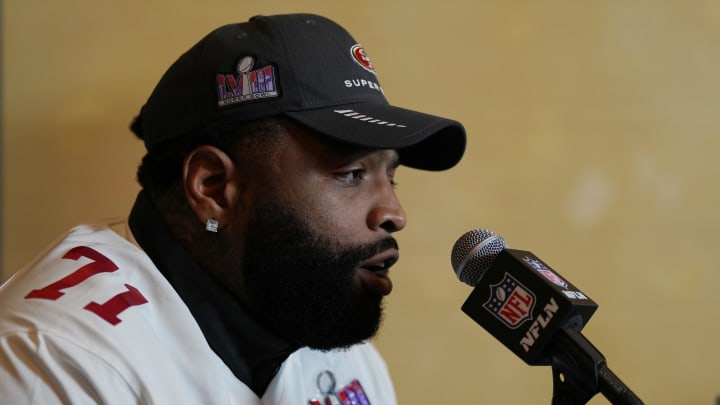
<point>93,321</point>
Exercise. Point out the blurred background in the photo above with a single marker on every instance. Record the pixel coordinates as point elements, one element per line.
<point>593,135</point>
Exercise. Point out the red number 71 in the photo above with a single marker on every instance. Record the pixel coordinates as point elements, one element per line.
<point>109,310</point>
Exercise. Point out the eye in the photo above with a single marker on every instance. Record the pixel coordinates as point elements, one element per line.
<point>391,177</point>
<point>352,176</point>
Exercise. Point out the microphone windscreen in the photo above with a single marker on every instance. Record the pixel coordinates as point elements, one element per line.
<point>474,253</point>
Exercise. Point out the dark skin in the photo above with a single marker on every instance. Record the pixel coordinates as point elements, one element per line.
<point>342,192</point>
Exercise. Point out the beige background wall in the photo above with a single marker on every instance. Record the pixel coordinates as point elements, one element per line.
<point>593,143</point>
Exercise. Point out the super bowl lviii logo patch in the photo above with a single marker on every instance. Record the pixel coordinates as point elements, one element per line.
<point>510,302</point>
<point>247,84</point>
<point>351,394</point>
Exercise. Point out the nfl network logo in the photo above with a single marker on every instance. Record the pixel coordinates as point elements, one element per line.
<point>545,271</point>
<point>510,302</point>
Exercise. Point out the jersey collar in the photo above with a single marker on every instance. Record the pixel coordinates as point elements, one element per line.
<point>251,352</point>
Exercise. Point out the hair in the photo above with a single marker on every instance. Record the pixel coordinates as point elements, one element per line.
<point>160,171</point>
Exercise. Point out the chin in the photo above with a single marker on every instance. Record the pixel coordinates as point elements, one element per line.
<point>345,334</point>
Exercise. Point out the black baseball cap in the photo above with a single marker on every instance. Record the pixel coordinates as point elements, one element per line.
<point>302,66</point>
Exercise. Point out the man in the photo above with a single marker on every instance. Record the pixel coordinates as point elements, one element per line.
<point>261,240</point>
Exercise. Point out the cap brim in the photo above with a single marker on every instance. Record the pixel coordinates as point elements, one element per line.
<point>423,141</point>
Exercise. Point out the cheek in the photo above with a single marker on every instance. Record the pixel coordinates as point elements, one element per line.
<point>333,217</point>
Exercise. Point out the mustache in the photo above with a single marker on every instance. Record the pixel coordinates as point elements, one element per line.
<point>360,253</point>
<point>384,244</point>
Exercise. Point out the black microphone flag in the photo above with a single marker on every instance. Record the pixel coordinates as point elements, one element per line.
<point>525,302</point>
<point>537,314</point>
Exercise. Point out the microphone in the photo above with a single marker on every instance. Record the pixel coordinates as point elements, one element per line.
<point>537,314</point>
<point>517,297</point>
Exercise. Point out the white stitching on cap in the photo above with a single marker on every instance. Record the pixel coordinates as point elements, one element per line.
<point>371,120</point>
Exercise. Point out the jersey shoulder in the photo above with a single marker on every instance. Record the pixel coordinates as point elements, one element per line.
<point>95,301</point>
<point>90,276</point>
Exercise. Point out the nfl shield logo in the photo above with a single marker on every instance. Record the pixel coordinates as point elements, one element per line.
<point>510,302</point>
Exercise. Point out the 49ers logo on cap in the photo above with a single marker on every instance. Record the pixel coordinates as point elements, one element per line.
<point>359,56</point>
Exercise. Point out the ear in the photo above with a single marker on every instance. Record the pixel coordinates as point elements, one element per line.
<point>210,178</point>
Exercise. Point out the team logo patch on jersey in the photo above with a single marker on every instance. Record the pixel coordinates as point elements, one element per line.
<point>510,302</point>
<point>545,271</point>
<point>247,84</point>
<point>351,394</point>
<point>361,58</point>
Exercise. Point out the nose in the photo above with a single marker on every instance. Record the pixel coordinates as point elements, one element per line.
<point>387,213</point>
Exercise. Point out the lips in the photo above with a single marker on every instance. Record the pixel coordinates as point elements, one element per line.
<point>373,273</point>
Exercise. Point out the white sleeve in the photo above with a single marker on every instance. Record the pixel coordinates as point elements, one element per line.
<point>42,369</point>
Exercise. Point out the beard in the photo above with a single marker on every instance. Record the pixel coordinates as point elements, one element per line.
<point>302,285</point>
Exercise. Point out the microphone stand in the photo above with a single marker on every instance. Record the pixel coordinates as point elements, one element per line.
<point>580,371</point>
